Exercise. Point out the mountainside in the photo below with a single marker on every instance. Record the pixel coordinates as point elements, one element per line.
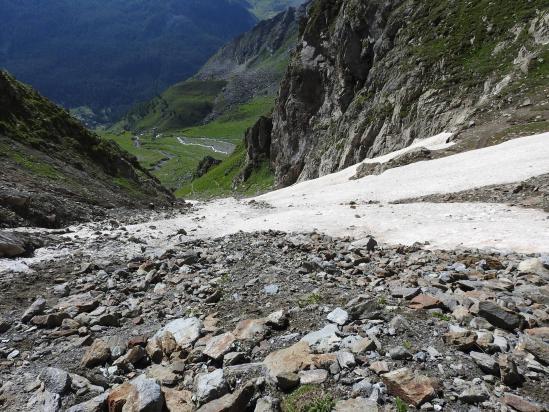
<point>369,77</point>
<point>53,171</point>
<point>269,8</point>
<point>110,55</point>
<point>250,65</point>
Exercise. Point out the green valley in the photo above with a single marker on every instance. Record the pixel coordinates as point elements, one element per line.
<point>221,101</point>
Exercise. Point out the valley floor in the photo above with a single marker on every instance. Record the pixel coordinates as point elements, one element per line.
<point>228,267</point>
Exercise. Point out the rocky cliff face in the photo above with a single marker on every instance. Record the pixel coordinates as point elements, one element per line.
<point>370,76</point>
<point>53,171</point>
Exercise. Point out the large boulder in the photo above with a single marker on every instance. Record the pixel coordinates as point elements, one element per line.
<point>210,386</point>
<point>184,330</point>
<point>139,395</point>
<point>11,245</point>
<point>411,387</point>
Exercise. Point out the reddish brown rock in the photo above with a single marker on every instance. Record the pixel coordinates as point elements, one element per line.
<point>178,401</point>
<point>424,302</point>
<point>520,404</point>
<point>219,345</point>
<point>97,354</point>
<point>251,329</point>
<point>409,386</point>
<point>463,340</point>
<point>289,360</point>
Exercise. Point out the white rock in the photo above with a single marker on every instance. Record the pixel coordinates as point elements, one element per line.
<point>338,316</point>
<point>323,340</point>
<point>184,330</point>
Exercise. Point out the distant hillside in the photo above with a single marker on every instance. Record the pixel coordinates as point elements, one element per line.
<point>269,8</point>
<point>53,171</point>
<point>247,67</point>
<point>108,55</point>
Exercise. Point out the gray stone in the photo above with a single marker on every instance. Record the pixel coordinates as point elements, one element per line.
<point>498,316</point>
<point>357,404</point>
<point>61,290</point>
<point>313,377</point>
<point>287,381</point>
<point>346,359</point>
<point>267,404</point>
<point>323,340</point>
<point>235,358</point>
<point>362,388</point>
<point>534,265</point>
<point>485,362</point>
<point>399,353</point>
<point>36,308</point>
<point>44,401</point>
<point>149,397</point>
<point>11,245</point>
<point>536,347</point>
<point>55,380</point>
<point>210,386</point>
<point>4,325</point>
<point>237,401</point>
<point>369,309</point>
<point>96,404</point>
<point>473,395</point>
<point>277,320</point>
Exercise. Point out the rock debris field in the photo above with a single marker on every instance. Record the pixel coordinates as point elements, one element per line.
<point>189,310</point>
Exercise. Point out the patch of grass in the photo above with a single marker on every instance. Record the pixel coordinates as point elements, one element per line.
<point>407,344</point>
<point>218,181</point>
<point>129,186</point>
<point>308,398</point>
<point>400,405</point>
<point>310,299</point>
<point>176,173</point>
<point>34,165</point>
<point>232,125</point>
<point>167,159</point>
<point>382,300</point>
<point>182,105</point>
<point>441,316</point>
<point>457,32</point>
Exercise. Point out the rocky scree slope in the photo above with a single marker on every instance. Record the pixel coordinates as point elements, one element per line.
<point>369,77</point>
<point>54,171</point>
<point>251,65</point>
<point>275,321</point>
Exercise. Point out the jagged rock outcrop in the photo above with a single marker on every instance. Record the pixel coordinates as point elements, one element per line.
<point>258,147</point>
<point>370,76</point>
<point>53,171</point>
<point>205,165</point>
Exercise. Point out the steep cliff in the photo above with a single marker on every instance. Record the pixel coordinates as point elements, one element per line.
<point>370,76</point>
<point>53,171</point>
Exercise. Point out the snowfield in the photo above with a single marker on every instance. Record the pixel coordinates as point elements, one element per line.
<point>323,204</point>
